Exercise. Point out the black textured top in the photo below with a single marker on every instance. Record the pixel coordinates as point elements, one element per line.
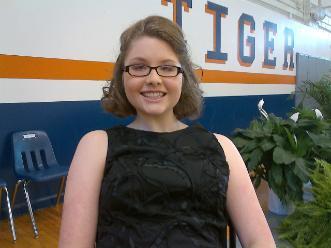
<point>163,190</point>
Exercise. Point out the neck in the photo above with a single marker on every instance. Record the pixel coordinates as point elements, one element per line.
<point>157,124</point>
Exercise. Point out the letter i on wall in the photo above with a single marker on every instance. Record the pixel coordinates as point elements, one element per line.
<point>218,11</point>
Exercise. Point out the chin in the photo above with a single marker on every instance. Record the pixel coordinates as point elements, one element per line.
<point>155,112</point>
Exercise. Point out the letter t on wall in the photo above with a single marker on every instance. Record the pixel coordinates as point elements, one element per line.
<point>177,5</point>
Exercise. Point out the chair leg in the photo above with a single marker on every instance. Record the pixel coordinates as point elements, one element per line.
<point>34,225</point>
<point>14,193</point>
<point>60,190</point>
<point>10,215</point>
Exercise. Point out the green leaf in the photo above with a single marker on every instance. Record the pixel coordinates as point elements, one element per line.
<point>241,132</point>
<point>301,169</point>
<point>250,146</point>
<point>277,174</point>
<point>255,125</point>
<point>292,180</point>
<point>320,140</point>
<point>304,146</point>
<point>307,124</point>
<point>280,141</point>
<point>310,226</point>
<point>291,139</point>
<point>245,156</point>
<point>273,185</point>
<point>249,133</point>
<point>240,142</point>
<point>322,153</point>
<point>281,156</point>
<point>267,145</point>
<point>256,133</point>
<point>255,159</point>
<point>267,128</point>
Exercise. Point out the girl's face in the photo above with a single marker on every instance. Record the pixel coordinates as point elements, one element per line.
<point>152,95</point>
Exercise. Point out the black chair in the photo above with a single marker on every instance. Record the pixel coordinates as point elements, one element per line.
<point>34,161</point>
<point>3,186</point>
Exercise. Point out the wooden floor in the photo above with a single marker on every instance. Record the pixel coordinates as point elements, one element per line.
<point>48,221</point>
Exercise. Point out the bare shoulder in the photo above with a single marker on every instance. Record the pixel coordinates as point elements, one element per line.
<point>223,139</point>
<point>93,137</point>
<point>88,163</point>
<point>227,145</point>
<point>91,150</point>
<point>93,142</point>
<point>232,154</point>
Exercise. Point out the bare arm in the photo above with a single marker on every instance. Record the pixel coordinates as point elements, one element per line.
<point>80,209</point>
<point>242,203</point>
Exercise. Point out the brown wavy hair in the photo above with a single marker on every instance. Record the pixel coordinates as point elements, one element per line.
<point>114,99</point>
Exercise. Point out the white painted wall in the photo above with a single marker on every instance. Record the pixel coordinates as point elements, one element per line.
<point>90,30</point>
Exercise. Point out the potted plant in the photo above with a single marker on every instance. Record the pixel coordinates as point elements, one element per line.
<point>310,224</point>
<point>320,92</point>
<point>283,151</point>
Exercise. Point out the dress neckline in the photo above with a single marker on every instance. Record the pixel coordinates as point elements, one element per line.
<point>155,132</point>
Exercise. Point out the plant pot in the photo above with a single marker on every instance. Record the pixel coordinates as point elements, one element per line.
<point>277,207</point>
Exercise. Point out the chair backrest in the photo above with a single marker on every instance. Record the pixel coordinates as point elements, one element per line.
<point>33,151</point>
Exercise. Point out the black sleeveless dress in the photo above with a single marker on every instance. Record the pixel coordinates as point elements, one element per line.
<point>163,190</point>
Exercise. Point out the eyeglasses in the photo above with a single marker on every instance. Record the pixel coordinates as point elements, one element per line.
<point>141,70</point>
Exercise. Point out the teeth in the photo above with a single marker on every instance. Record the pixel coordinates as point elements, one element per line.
<point>153,94</point>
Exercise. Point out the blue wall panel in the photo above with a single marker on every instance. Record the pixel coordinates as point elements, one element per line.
<point>224,114</point>
<point>67,122</point>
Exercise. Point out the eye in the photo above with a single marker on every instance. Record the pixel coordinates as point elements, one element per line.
<point>168,68</point>
<point>139,67</point>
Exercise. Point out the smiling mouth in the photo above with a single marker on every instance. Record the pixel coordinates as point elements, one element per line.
<point>153,95</point>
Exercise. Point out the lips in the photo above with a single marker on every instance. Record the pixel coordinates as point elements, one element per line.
<point>153,94</point>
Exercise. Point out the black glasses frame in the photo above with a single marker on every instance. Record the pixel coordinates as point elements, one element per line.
<point>127,69</point>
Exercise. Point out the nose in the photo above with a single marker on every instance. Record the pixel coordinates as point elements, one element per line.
<point>153,78</point>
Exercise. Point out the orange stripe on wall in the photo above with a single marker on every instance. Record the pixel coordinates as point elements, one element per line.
<point>26,67</point>
<point>213,76</point>
<point>12,66</point>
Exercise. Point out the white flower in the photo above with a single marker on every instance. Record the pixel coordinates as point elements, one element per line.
<point>318,114</point>
<point>260,104</point>
<point>262,111</point>
<point>295,140</point>
<point>295,117</point>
